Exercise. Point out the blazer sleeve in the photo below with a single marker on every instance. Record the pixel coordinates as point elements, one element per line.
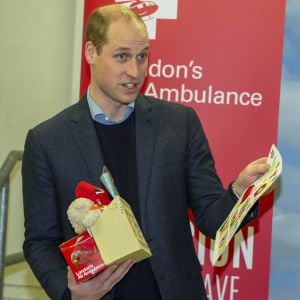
<point>43,232</point>
<point>208,200</point>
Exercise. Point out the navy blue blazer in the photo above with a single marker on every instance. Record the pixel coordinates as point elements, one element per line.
<point>175,172</point>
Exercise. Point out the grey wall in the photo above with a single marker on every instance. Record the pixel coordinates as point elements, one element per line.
<point>37,48</point>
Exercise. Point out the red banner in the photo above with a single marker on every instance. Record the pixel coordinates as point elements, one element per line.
<point>223,58</point>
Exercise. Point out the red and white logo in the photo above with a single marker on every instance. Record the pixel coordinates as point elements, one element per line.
<point>151,11</point>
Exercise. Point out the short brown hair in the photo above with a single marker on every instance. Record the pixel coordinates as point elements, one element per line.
<point>100,19</point>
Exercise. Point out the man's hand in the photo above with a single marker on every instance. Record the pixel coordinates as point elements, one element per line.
<point>97,287</point>
<point>252,171</point>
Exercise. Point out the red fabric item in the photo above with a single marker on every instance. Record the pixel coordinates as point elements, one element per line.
<point>94,193</point>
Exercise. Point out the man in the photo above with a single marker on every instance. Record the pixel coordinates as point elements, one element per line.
<point>158,155</point>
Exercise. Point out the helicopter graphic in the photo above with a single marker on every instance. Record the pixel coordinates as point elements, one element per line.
<point>145,9</point>
<point>151,11</point>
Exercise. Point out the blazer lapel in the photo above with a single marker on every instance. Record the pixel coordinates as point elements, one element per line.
<point>86,139</point>
<point>145,141</point>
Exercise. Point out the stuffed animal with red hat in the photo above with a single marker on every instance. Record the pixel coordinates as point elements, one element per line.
<point>90,201</point>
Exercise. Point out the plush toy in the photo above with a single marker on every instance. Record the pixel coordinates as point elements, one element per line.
<point>86,208</point>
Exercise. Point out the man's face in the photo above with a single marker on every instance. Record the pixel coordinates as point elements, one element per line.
<point>118,72</point>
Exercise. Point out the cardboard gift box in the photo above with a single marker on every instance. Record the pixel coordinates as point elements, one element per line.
<point>116,236</point>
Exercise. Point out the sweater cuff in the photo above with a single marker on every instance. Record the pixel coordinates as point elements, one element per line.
<point>233,194</point>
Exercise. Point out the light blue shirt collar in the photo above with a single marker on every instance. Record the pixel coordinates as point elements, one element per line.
<point>99,116</point>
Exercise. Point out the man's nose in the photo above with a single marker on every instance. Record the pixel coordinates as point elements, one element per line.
<point>132,68</point>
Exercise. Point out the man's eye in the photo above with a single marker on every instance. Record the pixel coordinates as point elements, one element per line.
<point>142,56</point>
<point>122,57</point>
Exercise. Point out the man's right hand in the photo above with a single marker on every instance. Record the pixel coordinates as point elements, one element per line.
<point>100,285</point>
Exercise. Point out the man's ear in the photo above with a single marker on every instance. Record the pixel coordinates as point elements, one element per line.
<point>90,52</point>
